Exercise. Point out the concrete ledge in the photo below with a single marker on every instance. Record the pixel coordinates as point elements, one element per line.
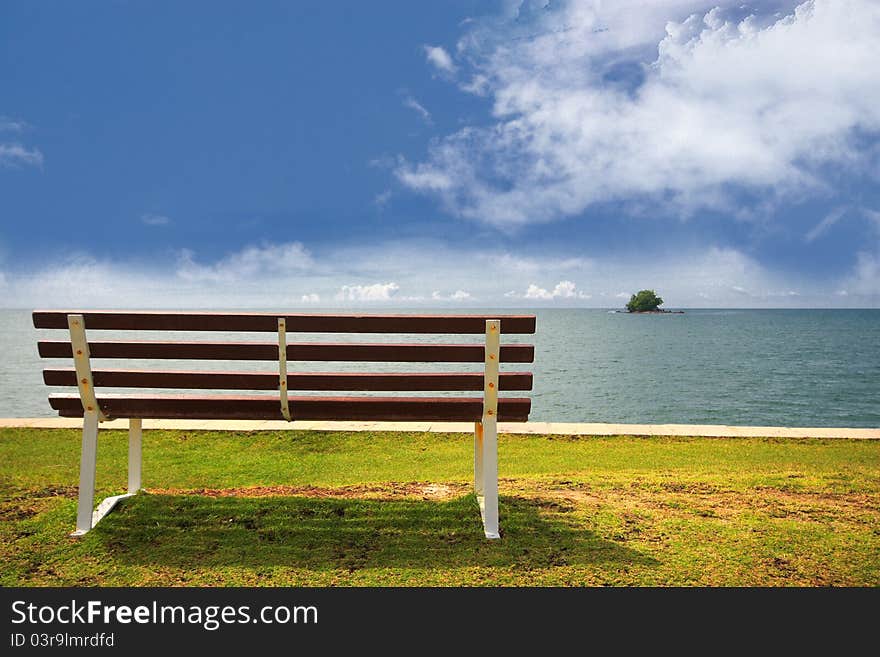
<point>558,428</point>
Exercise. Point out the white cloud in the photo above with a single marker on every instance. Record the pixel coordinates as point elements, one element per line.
<point>416,106</point>
<point>155,219</point>
<point>250,262</point>
<point>535,292</point>
<point>408,272</point>
<point>440,59</point>
<point>426,179</point>
<point>568,290</point>
<point>84,281</point>
<point>563,290</point>
<point>16,155</point>
<point>374,292</point>
<point>596,101</point>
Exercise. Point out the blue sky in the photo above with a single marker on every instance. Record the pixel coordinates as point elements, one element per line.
<point>459,153</point>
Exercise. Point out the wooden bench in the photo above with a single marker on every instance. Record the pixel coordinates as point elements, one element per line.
<point>485,410</point>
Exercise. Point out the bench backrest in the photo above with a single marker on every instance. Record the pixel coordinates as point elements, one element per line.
<point>88,378</point>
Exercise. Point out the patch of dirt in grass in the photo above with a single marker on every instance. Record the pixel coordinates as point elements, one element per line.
<point>556,505</point>
<point>818,506</point>
<point>713,501</point>
<point>787,570</point>
<point>576,496</point>
<point>47,491</point>
<point>12,513</point>
<point>862,501</point>
<point>683,499</point>
<point>385,491</point>
<point>28,503</point>
<point>689,487</point>
<point>676,499</point>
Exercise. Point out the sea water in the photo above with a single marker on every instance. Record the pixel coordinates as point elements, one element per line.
<point>741,367</point>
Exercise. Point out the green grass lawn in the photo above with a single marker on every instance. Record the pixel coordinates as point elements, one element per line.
<point>323,508</point>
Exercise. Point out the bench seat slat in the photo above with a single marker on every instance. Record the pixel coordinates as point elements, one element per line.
<point>296,323</point>
<point>359,352</point>
<point>375,381</point>
<point>253,407</point>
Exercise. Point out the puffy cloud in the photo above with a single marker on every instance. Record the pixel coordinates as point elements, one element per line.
<point>425,178</point>
<point>535,292</point>
<point>311,298</point>
<point>568,290</point>
<point>440,59</point>
<point>596,102</point>
<point>374,292</point>
<point>563,290</point>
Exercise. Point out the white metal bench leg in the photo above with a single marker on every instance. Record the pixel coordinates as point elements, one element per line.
<point>135,433</point>
<point>87,464</point>
<point>86,518</point>
<point>487,495</point>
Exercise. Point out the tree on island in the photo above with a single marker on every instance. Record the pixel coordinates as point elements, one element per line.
<point>644,301</point>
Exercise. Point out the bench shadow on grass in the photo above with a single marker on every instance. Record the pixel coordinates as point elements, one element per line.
<point>321,533</point>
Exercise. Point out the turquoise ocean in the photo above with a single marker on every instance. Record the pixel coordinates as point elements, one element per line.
<point>741,367</point>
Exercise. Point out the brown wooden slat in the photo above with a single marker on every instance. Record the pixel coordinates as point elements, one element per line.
<point>452,409</point>
<point>367,381</point>
<point>296,323</point>
<point>399,353</point>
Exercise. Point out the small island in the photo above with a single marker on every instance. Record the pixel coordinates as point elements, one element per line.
<point>646,302</point>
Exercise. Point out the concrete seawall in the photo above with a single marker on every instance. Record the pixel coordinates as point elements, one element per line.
<point>556,428</point>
